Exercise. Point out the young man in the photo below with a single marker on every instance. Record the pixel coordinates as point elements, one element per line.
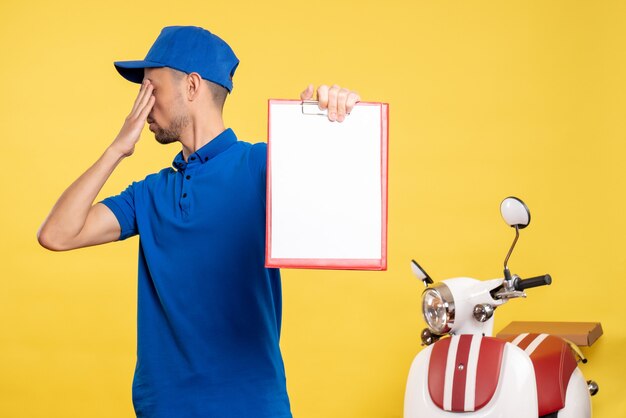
<point>209,312</point>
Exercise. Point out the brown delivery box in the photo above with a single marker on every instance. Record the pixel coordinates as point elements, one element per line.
<point>580,333</point>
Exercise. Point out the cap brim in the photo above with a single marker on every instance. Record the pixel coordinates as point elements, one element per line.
<point>133,70</point>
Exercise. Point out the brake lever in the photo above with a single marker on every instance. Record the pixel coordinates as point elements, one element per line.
<point>504,294</point>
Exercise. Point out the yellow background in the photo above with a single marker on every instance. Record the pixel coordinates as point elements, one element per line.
<point>487,99</point>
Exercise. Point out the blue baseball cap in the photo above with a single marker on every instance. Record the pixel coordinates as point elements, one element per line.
<point>188,49</point>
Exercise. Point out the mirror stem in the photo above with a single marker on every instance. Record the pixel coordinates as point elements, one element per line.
<point>507,273</point>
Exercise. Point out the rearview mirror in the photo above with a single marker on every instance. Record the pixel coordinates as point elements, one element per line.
<point>515,212</point>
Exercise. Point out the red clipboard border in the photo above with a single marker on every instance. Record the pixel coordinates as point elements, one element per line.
<point>333,263</point>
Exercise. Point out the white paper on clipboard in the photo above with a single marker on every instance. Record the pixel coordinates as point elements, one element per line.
<point>327,187</point>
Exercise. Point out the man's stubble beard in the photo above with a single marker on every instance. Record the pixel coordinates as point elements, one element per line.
<point>167,136</point>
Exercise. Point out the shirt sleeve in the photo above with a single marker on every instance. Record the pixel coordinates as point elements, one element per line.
<point>123,207</point>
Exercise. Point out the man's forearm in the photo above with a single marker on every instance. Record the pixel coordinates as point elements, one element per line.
<point>68,216</point>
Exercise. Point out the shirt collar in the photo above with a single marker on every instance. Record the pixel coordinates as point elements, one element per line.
<point>209,150</point>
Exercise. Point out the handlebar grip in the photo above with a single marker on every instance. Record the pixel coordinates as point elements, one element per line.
<point>522,284</point>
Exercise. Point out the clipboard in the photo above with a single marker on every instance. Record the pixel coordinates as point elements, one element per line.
<point>326,187</point>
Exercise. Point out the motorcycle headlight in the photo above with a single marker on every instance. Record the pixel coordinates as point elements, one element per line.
<point>438,308</point>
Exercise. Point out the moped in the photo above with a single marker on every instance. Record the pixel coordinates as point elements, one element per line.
<point>464,372</point>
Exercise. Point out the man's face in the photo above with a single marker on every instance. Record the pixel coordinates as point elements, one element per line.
<point>168,116</point>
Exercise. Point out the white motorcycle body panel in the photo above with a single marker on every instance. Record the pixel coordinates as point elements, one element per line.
<point>515,396</point>
<point>577,399</point>
<point>468,293</point>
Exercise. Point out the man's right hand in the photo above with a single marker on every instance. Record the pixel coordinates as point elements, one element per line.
<point>129,135</point>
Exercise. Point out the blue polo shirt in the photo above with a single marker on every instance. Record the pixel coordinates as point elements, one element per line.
<point>209,312</point>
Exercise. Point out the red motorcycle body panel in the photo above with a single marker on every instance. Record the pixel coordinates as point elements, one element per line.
<point>554,364</point>
<point>475,363</point>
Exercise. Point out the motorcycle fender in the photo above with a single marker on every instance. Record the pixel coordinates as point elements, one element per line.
<point>515,395</point>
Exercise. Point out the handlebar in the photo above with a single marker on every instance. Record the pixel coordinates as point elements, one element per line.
<point>522,284</point>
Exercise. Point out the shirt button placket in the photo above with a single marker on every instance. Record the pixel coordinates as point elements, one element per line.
<point>185,198</point>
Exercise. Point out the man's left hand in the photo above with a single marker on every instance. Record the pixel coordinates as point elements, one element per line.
<point>339,101</point>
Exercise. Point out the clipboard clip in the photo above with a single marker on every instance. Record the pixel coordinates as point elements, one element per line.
<point>311,107</point>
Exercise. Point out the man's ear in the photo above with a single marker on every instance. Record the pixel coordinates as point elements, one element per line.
<point>194,81</point>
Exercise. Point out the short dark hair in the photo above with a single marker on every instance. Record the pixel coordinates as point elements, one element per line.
<point>218,93</point>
